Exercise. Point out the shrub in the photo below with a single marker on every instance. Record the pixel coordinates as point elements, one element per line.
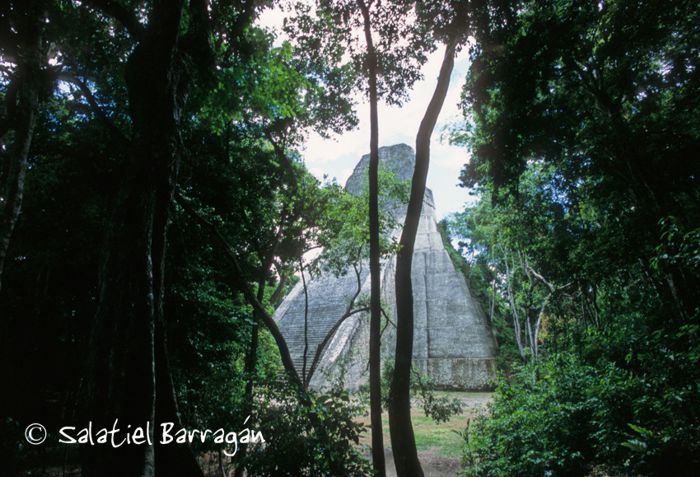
<point>318,438</point>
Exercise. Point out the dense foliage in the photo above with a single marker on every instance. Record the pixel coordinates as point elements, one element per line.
<point>244,113</point>
<point>152,186</point>
<point>301,448</point>
<point>583,125</point>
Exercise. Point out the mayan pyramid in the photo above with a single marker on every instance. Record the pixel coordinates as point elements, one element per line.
<point>453,342</point>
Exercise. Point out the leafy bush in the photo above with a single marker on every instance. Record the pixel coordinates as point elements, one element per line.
<point>563,417</point>
<point>318,438</point>
<point>537,426</point>
<point>438,408</point>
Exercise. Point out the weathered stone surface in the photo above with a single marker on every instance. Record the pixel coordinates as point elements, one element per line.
<point>453,342</point>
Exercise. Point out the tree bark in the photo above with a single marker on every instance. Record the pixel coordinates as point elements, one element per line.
<point>128,374</point>
<point>304,379</point>
<point>513,307</point>
<point>375,380</point>
<point>403,441</point>
<point>22,103</point>
<point>251,364</point>
<point>278,295</point>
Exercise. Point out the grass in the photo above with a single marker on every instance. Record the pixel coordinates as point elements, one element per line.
<point>442,439</point>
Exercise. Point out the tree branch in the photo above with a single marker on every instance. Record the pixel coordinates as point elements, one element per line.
<point>115,132</point>
<point>513,307</point>
<point>286,163</point>
<point>388,320</point>
<point>244,18</point>
<point>10,107</point>
<point>348,313</point>
<point>276,296</point>
<point>304,379</point>
<point>551,286</point>
<point>241,284</point>
<point>120,13</point>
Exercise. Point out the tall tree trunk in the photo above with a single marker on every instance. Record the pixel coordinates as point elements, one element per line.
<point>129,376</point>
<point>22,102</point>
<point>375,380</point>
<point>403,441</point>
<point>251,364</point>
<point>304,378</point>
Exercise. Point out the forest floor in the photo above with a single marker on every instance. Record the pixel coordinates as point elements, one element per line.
<point>439,445</point>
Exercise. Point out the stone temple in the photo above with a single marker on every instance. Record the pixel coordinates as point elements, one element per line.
<point>452,344</point>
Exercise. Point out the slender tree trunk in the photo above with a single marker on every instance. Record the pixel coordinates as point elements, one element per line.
<point>529,334</point>
<point>170,459</point>
<point>278,294</point>
<point>22,102</point>
<point>304,378</point>
<point>375,380</point>
<point>403,441</point>
<point>271,325</point>
<point>349,311</point>
<point>513,308</point>
<point>251,364</point>
<point>222,470</point>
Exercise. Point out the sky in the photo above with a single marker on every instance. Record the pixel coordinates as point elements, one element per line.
<point>337,156</point>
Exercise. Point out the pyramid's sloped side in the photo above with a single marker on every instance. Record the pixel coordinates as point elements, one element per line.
<point>328,298</point>
<point>346,358</point>
<point>458,345</point>
<point>453,342</point>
